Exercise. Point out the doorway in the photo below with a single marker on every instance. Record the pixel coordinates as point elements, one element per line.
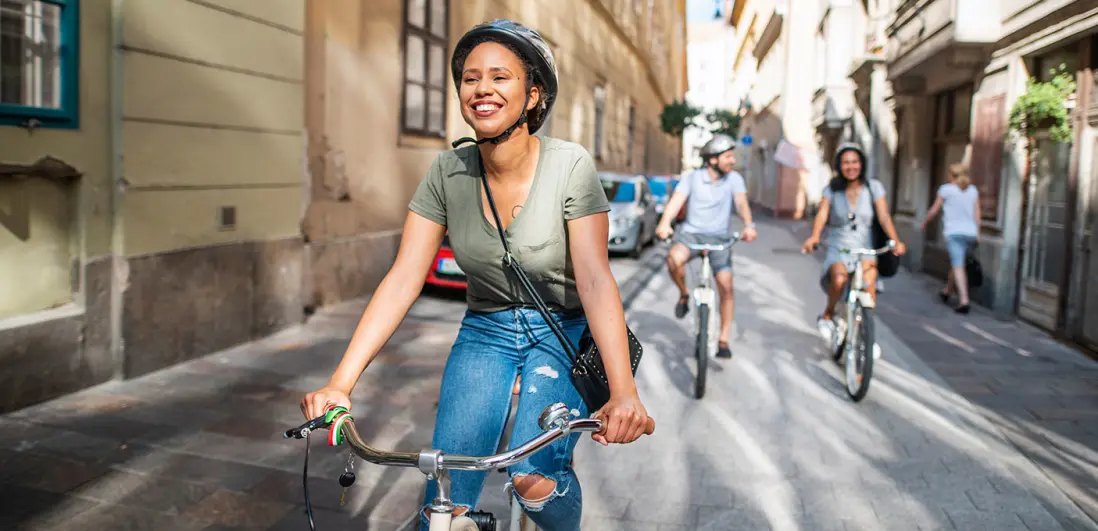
<point>1047,234</point>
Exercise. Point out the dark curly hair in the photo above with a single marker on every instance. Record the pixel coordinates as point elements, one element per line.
<point>534,116</point>
<point>839,183</point>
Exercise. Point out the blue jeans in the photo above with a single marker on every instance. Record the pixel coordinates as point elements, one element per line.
<point>958,246</point>
<point>491,350</point>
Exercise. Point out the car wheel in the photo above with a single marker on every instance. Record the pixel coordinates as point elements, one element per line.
<point>638,246</point>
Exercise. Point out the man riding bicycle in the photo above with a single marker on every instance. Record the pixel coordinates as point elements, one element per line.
<point>713,191</point>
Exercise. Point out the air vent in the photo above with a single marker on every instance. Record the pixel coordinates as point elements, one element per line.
<point>226,218</point>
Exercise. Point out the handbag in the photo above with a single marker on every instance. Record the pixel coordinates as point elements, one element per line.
<point>588,374</point>
<point>888,264</point>
<point>973,270</point>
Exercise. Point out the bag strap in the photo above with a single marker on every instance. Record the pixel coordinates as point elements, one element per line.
<point>510,262</point>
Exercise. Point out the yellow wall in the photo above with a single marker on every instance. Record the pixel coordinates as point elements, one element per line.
<point>62,225</point>
<point>355,145</point>
<point>213,116</point>
<point>589,49</point>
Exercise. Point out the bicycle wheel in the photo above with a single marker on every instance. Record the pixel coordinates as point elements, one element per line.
<point>463,523</point>
<point>701,350</point>
<point>859,357</point>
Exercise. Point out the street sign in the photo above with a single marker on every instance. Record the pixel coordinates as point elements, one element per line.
<point>745,140</point>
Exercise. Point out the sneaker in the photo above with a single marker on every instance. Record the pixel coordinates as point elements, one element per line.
<point>826,327</point>
<point>876,352</point>
<point>723,351</point>
<point>682,307</point>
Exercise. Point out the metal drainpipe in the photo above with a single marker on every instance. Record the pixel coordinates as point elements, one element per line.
<point>119,265</point>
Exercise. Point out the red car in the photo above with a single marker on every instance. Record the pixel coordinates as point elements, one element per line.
<point>445,273</point>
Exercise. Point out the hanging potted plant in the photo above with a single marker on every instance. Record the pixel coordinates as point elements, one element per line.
<point>1045,105</point>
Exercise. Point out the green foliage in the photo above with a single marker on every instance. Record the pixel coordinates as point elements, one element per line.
<point>725,122</point>
<point>1042,107</point>
<point>678,116</point>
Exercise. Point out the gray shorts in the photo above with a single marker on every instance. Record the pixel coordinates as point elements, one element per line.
<point>720,260</point>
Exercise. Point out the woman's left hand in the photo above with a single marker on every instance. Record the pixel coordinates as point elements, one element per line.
<point>900,248</point>
<point>624,420</point>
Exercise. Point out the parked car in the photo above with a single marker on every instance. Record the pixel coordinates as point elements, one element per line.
<point>633,216</point>
<point>662,188</point>
<point>446,273</point>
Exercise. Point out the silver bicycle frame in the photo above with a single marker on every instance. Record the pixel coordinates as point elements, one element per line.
<point>703,292</point>
<point>435,464</point>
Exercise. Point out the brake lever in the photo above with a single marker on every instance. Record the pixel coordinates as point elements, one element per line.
<point>303,430</point>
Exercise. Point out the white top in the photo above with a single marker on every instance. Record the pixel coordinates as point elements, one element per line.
<point>959,210</point>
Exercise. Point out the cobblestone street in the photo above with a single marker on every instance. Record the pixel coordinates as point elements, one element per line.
<point>775,444</point>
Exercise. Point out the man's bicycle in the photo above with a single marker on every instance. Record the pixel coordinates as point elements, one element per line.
<point>854,336</point>
<point>704,299</point>
<point>435,465</point>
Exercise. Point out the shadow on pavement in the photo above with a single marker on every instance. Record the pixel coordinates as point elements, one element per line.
<point>199,446</point>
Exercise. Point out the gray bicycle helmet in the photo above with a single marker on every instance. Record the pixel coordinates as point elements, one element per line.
<point>849,146</point>
<point>717,145</point>
<point>533,51</point>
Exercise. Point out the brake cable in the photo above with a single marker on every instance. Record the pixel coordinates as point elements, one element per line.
<point>334,419</point>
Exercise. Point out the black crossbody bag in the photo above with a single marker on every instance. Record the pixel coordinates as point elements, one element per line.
<point>888,264</point>
<point>588,373</point>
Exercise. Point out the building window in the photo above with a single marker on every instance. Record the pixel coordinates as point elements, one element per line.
<point>426,35</point>
<point>600,119</point>
<point>631,132</point>
<point>39,50</point>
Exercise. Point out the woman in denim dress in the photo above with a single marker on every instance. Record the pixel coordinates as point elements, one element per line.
<point>846,212</point>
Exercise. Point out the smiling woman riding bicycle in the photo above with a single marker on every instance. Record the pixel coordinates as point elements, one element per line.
<point>554,213</point>
<point>847,207</point>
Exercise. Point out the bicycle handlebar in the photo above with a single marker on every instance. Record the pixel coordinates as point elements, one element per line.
<point>553,420</point>
<point>711,247</point>
<point>865,251</point>
<point>891,245</point>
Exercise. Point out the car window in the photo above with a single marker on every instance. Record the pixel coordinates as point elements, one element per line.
<point>619,191</point>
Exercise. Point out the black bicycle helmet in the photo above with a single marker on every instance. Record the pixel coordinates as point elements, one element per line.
<point>532,49</point>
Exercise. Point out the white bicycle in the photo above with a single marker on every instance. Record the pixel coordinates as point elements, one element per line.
<point>434,464</point>
<point>854,335</point>
<point>705,297</point>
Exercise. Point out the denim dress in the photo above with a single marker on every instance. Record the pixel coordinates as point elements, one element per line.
<point>841,232</point>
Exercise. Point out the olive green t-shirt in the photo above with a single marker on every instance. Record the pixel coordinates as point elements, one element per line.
<point>566,186</point>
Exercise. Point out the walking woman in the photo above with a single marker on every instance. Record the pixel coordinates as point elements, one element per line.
<point>846,211</point>
<point>959,203</point>
<point>554,210</point>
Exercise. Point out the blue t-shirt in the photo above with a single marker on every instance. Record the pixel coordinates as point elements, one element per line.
<point>710,205</point>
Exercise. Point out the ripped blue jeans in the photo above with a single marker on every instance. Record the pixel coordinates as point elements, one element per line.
<point>491,350</point>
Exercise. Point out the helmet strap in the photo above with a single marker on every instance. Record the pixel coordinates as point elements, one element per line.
<point>502,136</point>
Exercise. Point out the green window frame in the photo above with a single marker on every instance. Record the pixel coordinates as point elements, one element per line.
<point>16,106</point>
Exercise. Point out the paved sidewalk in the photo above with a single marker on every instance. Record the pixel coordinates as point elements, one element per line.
<point>776,443</point>
<point>1041,394</point>
<point>199,445</point>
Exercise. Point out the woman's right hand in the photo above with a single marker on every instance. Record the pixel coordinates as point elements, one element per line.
<point>810,244</point>
<point>317,403</point>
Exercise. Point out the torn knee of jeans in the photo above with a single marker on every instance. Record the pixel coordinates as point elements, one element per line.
<point>458,511</point>
<point>534,491</point>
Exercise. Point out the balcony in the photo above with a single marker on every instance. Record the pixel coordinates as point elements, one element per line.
<point>833,106</point>
<point>931,34</point>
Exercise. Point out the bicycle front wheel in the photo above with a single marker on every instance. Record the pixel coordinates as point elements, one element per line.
<point>701,350</point>
<point>463,523</point>
<point>859,354</point>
